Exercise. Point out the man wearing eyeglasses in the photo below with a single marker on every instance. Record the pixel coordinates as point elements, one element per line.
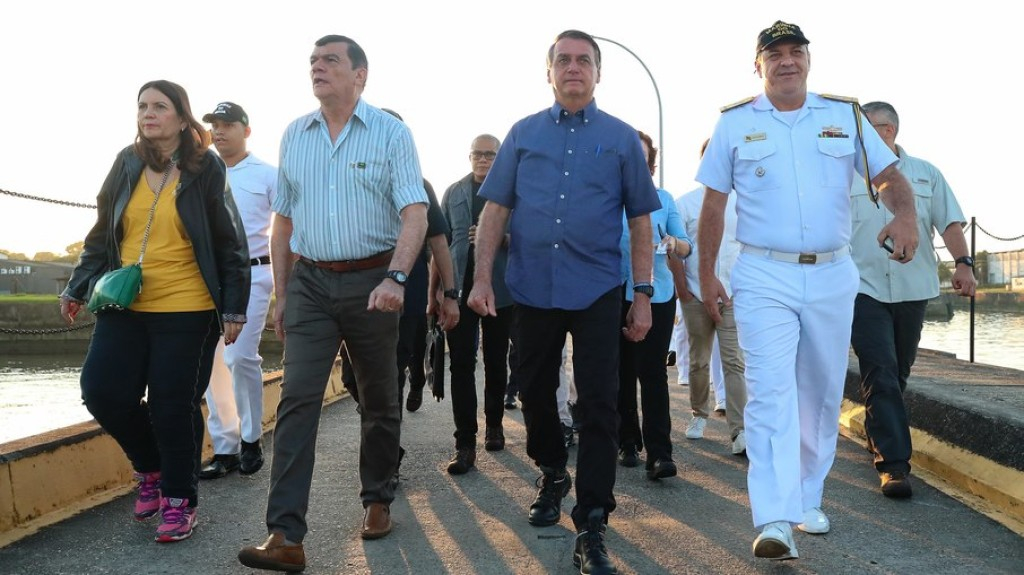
<point>462,206</point>
<point>561,183</point>
<point>790,155</point>
<point>888,313</point>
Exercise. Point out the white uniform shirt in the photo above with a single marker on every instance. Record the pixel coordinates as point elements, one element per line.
<point>793,182</point>
<point>254,187</point>
<point>689,205</point>
<point>881,278</point>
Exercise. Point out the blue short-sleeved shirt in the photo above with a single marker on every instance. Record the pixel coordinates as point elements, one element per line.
<point>666,219</point>
<point>567,179</point>
<point>791,171</point>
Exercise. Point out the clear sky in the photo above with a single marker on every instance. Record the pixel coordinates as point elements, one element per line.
<point>71,71</point>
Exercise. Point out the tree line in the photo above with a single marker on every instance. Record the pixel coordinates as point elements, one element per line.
<point>70,255</point>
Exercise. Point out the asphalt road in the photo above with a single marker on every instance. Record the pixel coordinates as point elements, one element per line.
<point>696,523</point>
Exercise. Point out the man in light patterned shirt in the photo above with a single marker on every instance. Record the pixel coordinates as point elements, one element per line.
<point>350,220</point>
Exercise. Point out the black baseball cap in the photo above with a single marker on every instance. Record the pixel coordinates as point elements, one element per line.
<point>780,31</point>
<point>228,112</point>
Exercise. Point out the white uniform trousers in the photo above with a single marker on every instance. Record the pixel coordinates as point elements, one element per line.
<point>566,392</point>
<point>680,343</point>
<point>794,324</point>
<point>235,395</point>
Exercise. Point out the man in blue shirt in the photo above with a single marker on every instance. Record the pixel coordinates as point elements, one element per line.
<point>561,181</point>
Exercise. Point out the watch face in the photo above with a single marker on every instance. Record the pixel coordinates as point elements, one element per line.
<point>398,276</point>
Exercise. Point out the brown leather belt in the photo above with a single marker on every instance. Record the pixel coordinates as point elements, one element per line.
<point>381,259</point>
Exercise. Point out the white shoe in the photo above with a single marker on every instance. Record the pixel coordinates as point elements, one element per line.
<point>720,408</point>
<point>695,429</point>
<point>683,381</point>
<point>776,542</point>
<point>739,444</point>
<point>815,522</point>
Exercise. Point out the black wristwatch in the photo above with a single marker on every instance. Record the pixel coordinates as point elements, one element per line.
<point>966,260</point>
<point>452,294</point>
<point>398,276</point>
<point>644,288</point>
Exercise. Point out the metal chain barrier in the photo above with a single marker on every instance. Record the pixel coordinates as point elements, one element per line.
<point>46,331</point>
<point>49,200</point>
<point>995,237</point>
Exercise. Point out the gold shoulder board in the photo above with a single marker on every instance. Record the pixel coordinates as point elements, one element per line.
<point>847,99</point>
<point>737,104</point>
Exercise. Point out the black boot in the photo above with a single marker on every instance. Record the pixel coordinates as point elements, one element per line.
<point>494,438</point>
<point>547,508</point>
<point>251,458</point>
<point>590,555</point>
<point>462,461</point>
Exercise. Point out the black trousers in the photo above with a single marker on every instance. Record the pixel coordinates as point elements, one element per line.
<point>462,349</point>
<point>540,336</point>
<point>885,337</point>
<point>645,360</point>
<point>166,357</point>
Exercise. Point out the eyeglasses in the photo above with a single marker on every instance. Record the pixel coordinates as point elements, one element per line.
<point>478,155</point>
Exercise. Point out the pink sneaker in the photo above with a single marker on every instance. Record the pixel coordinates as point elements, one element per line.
<point>148,502</point>
<point>178,520</point>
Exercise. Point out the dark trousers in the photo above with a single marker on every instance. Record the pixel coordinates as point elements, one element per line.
<point>410,352</point>
<point>324,309</point>
<point>540,336</point>
<point>885,337</point>
<point>462,353</point>
<point>645,360</point>
<point>166,357</point>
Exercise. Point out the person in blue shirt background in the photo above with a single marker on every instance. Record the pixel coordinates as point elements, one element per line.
<point>645,359</point>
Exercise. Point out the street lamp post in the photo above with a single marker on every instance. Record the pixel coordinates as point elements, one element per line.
<point>657,93</point>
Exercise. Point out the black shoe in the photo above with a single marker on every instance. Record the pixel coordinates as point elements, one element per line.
<point>252,458</point>
<point>590,554</point>
<point>510,402</point>
<point>629,456</point>
<point>494,438</point>
<point>462,461</point>
<point>671,360</point>
<point>895,484</point>
<point>568,435</point>
<point>219,466</point>
<point>547,507</point>
<point>661,469</point>
<point>415,399</point>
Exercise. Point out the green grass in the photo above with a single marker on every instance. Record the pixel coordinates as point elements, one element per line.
<point>27,298</point>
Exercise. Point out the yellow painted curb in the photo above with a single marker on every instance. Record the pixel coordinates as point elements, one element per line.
<point>995,490</point>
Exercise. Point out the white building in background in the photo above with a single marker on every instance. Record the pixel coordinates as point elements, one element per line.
<point>1004,268</point>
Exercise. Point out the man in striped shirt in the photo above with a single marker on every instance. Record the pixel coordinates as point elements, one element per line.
<point>350,221</point>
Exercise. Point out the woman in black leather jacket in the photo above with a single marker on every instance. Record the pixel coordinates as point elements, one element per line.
<point>195,283</point>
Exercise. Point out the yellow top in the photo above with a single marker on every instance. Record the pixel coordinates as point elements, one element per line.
<point>171,280</point>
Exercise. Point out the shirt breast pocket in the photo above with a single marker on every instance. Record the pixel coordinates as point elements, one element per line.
<point>837,157</point>
<point>372,177</point>
<point>754,165</point>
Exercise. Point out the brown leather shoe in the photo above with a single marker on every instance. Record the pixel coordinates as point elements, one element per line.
<point>275,555</point>
<point>376,521</point>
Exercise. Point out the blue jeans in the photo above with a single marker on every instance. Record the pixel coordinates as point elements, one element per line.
<point>166,357</point>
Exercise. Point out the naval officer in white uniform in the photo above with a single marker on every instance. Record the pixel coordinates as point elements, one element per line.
<point>790,157</point>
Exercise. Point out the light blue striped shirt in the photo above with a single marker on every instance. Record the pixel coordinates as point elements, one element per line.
<point>344,197</point>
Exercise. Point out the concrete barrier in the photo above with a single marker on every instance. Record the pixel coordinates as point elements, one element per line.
<point>49,477</point>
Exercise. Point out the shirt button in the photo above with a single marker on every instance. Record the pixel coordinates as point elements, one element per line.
<point>572,129</point>
<point>565,173</point>
<point>570,151</point>
<point>556,246</point>
<point>561,196</point>
<point>558,220</point>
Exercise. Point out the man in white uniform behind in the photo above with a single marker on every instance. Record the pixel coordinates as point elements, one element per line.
<point>235,394</point>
